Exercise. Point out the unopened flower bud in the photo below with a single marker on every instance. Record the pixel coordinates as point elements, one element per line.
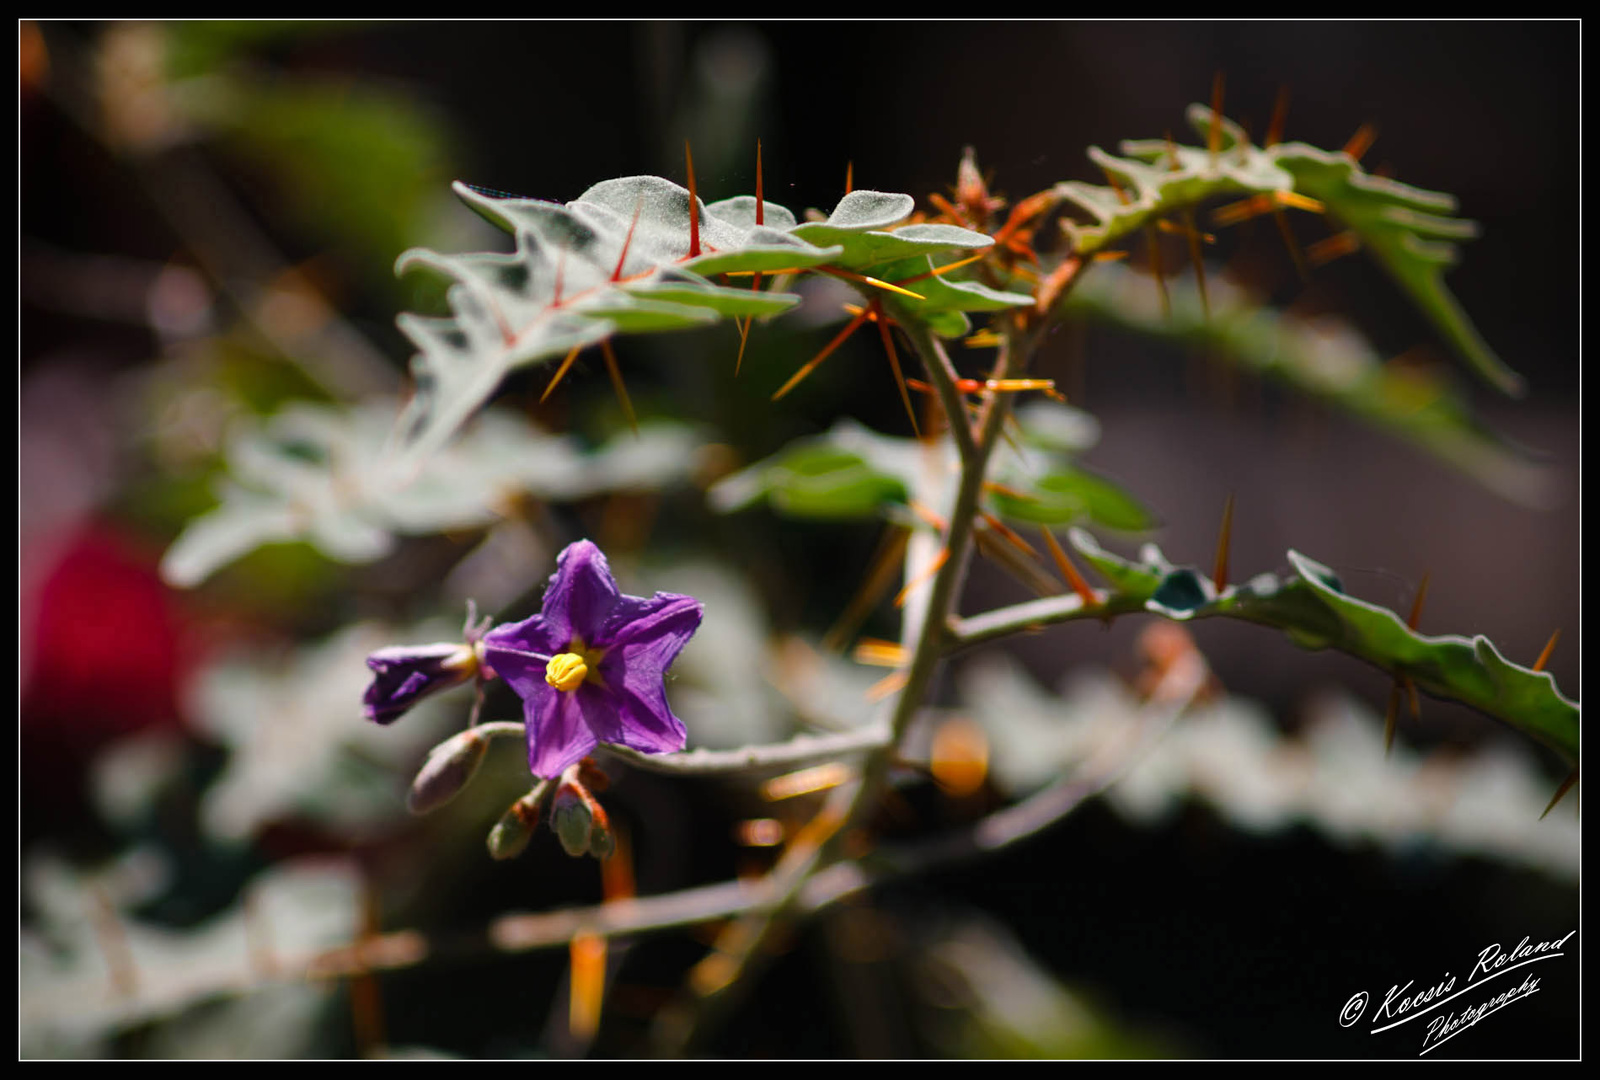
<point>601,840</point>
<point>511,833</point>
<point>450,767</point>
<point>571,820</point>
<point>405,674</point>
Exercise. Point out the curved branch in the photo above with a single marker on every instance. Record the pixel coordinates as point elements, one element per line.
<point>801,748</point>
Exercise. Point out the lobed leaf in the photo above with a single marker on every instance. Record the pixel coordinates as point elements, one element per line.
<point>1316,613</point>
<point>616,260</point>
<point>328,477</point>
<point>1408,230</point>
<point>859,226</point>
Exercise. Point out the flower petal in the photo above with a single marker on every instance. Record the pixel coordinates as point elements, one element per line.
<point>405,674</point>
<point>645,638</point>
<point>643,722</point>
<point>582,593</point>
<point>652,631</point>
<point>559,726</point>
<point>507,649</point>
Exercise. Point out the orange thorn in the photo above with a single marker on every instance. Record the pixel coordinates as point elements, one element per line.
<point>933,568</point>
<point>1566,786</point>
<point>1411,690</point>
<point>587,953</point>
<point>1122,196</point>
<point>1154,243</point>
<point>1333,247</point>
<point>1294,248</point>
<point>1298,201</point>
<point>1006,489</point>
<point>561,270</point>
<point>1280,112</point>
<point>1360,141</point>
<point>880,573</point>
<point>1010,534</point>
<point>1187,230</point>
<point>1390,715</point>
<point>851,275</point>
<point>948,209</point>
<point>827,351</point>
<point>879,653</point>
<point>616,869</point>
<point>1214,136</point>
<point>627,242</point>
<point>760,205</point>
<point>1549,647</point>
<point>1199,264</point>
<point>694,204</point>
<point>1416,605</point>
<point>1046,387</point>
<point>894,363</point>
<point>1110,256</point>
<point>560,372</point>
<point>926,514</point>
<point>1243,210</point>
<point>1051,288</point>
<point>849,177</point>
<point>937,271</point>
<point>616,383</point>
<point>1069,571</point>
<point>744,336</point>
<point>887,685</point>
<point>775,273</point>
<point>1219,575</point>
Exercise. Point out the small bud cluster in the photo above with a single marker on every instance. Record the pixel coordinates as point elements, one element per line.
<point>576,816</point>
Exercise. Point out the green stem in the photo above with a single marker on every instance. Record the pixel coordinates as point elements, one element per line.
<point>682,1027</point>
<point>1033,614</point>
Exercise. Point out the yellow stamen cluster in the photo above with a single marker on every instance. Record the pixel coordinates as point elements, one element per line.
<point>566,671</point>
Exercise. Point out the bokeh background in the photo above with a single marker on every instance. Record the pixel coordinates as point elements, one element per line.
<point>209,217</point>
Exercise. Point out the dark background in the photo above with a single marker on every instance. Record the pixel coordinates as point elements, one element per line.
<point>1241,947</point>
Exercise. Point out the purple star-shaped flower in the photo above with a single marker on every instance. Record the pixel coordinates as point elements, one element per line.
<point>590,666</point>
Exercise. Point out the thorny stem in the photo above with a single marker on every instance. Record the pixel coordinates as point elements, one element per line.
<point>743,949</point>
<point>796,751</point>
<point>1002,622</point>
<point>942,374</point>
<point>748,944</point>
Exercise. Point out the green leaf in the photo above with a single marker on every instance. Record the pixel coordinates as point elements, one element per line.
<point>1407,229</point>
<point>614,260</point>
<point>1067,495</point>
<point>859,226</point>
<point>1313,609</point>
<point>814,479</point>
<point>1053,425</point>
<point>330,477</point>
